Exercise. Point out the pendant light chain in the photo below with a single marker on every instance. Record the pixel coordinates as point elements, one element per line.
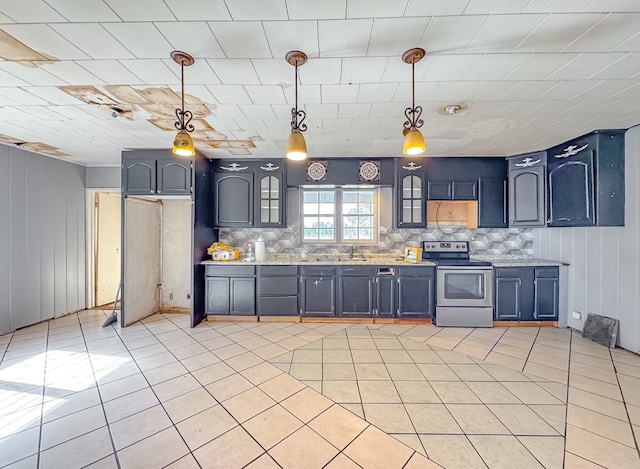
<point>297,115</point>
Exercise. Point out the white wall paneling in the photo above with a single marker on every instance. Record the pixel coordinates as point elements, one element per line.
<point>604,270</point>
<point>42,238</point>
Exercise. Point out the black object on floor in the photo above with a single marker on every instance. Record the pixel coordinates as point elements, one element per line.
<point>601,330</point>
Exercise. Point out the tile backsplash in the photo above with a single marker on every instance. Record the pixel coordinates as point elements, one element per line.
<point>494,242</point>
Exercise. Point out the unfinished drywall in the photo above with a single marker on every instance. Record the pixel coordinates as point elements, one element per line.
<point>141,264</point>
<point>107,247</point>
<point>176,254</point>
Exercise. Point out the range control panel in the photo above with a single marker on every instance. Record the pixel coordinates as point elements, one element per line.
<point>445,246</point>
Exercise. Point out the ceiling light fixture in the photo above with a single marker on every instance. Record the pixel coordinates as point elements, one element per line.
<point>413,139</point>
<point>296,145</point>
<point>452,109</point>
<point>183,143</point>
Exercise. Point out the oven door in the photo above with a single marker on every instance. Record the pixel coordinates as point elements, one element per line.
<point>466,286</point>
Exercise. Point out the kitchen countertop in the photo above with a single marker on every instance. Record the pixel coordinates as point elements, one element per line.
<point>518,262</point>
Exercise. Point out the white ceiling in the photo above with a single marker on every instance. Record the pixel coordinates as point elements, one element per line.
<point>533,73</point>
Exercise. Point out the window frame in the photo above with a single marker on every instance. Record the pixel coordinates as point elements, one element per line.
<point>338,226</point>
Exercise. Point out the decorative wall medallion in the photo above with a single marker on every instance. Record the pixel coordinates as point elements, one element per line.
<point>234,167</point>
<point>369,171</point>
<point>269,167</point>
<point>571,150</point>
<point>412,166</point>
<point>317,170</point>
<point>527,162</point>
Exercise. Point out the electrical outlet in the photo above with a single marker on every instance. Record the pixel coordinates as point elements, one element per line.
<point>576,315</point>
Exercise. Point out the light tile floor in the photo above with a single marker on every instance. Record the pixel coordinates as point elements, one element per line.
<point>291,395</point>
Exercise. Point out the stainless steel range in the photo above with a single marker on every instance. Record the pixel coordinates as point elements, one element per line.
<point>464,287</point>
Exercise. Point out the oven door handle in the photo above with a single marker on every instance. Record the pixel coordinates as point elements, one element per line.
<point>486,268</point>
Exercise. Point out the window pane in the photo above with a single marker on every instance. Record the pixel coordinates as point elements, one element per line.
<point>310,222</point>
<point>326,233</point>
<point>366,233</point>
<point>326,222</point>
<point>274,187</point>
<point>350,221</point>
<point>349,208</point>
<point>366,196</point>
<point>310,196</point>
<point>327,209</point>
<point>310,209</point>
<point>310,233</point>
<point>264,188</point>
<point>350,196</point>
<point>350,233</point>
<point>366,209</point>
<point>326,196</point>
<point>366,222</point>
<point>417,185</point>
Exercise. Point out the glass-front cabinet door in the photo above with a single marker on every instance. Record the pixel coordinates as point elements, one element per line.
<point>270,195</point>
<point>411,205</point>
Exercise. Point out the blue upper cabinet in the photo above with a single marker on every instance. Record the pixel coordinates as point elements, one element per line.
<point>527,189</point>
<point>410,195</point>
<point>586,181</point>
<point>155,172</point>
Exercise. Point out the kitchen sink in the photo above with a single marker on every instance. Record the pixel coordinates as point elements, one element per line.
<point>339,259</point>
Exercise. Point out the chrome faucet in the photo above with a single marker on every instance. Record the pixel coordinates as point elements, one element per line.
<point>352,250</point>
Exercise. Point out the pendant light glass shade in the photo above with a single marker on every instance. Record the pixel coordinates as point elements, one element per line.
<point>183,144</point>
<point>296,146</point>
<point>413,143</point>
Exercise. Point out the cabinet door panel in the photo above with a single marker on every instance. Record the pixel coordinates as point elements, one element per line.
<point>356,296</point>
<point>465,190</point>
<point>269,200</point>
<point>242,296</point>
<point>318,296</point>
<point>527,196</point>
<point>571,197</point>
<point>508,299</point>
<point>386,296</point>
<point>140,177</point>
<point>415,296</point>
<point>546,299</point>
<point>440,190</point>
<point>174,177</point>
<point>492,203</point>
<point>217,291</point>
<point>410,201</point>
<point>233,199</point>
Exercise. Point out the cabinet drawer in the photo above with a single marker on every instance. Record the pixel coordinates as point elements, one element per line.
<point>278,285</point>
<point>418,271</point>
<point>508,272</point>
<point>547,272</point>
<point>278,305</point>
<point>319,271</point>
<point>277,270</point>
<point>357,271</point>
<point>229,270</point>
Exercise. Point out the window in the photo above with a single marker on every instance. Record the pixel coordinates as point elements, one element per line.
<point>339,216</point>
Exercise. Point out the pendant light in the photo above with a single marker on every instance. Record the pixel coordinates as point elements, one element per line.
<point>183,143</point>
<point>413,139</point>
<point>296,145</point>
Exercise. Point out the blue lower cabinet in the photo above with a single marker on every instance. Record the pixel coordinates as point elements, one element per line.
<point>526,293</point>
<point>230,290</point>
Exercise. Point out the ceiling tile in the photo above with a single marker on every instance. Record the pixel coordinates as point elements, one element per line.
<point>495,66</point>
<point>336,124</point>
<point>398,71</point>
<point>370,123</point>
<point>339,93</point>
<point>451,34</point>
<point>194,38</point>
<point>452,90</point>
<point>227,111</point>
<point>72,73</point>
<point>375,9</point>
<point>489,91</point>
<point>93,39</point>
<point>313,9</point>
<point>249,125</point>
<point>529,90</point>
<point>503,33</point>
<point>234,71</point>
<point>423,90</point>
<point>199,10</point>
<point>110,71</point>
<point>422,8</point>
<point>614,30</point>
<point>449,67</point>
<point>554,6</point>
<point>230,94</point>
<point>21,97</point>
<point>486,108</point>
<point>241,40</point>
<point>344,38</point>
<point>31,11</point>
<point>31,74</point>
<point>283,111</point>
<point>586,65</point>
<point>321,111</point>
<point>86,11</point>
<point>363,70</point>
<point>152,71</point>
<point>200,92</point>
<point>45,40</point>
<point>265,94</point>
<point>614,5</point>
<point>387,109</point>
<point>390,36</point>
<point>541,66</point>
<point>274,71</point>
<point>42,112</point>
<point>8,79</point>
<point>627,67</point>
<point>257,111</point>
<point>142,39</point>
<point>378,92</point>
<point>72,112</point>
<point>320,72</point>
<point>500,7</point>
<point>284,36</point>
<point>141,10</point>
<point>243,10</point>
<point>557,31</point>
<point>198,73</point>
<point>306,94</point>
<point>568,89</point>
<point>53,95</point>
<point>609,89</point>
<point>353,111</point>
